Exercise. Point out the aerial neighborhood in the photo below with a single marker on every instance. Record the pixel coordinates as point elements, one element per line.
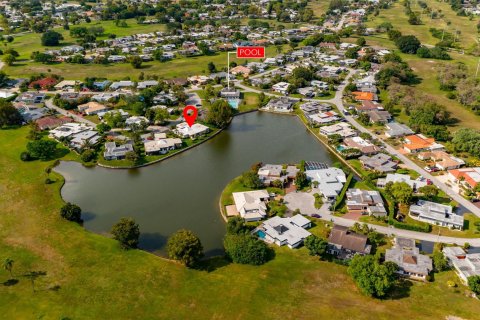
<point>143,149</point>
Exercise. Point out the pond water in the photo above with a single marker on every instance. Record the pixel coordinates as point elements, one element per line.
<point>183,192</point>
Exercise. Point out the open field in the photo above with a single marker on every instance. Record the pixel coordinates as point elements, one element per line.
<point>319,7</point>
<point>88,276</point>
<point>180,67</point>
<point>397,17</point>
<point>426,69</point>
<point>25,44</point>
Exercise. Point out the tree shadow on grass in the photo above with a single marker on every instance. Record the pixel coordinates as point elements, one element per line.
<point>10,282</point>
<point>400,290</point>
<point>212,264</point>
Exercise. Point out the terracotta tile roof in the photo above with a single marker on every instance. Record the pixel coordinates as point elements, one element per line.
<point>363,95</point>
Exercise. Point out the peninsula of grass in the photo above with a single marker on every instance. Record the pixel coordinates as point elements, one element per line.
<point>88,276</point>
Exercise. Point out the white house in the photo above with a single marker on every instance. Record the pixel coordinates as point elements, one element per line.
<point>436,214</point>
<point>281,87</point>
<point>196,130</point>
<point>251,205</point>
<point>466,265</point>
<point>284,231</point>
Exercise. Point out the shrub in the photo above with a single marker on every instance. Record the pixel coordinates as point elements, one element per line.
<point>246,249</point>
<point>185,247</point>
<point>127,232</point>
<point>71,212</point>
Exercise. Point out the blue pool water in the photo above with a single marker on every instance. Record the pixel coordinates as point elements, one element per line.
<point>261,234</point>
<point>234,103</point>
<point>340,148</point>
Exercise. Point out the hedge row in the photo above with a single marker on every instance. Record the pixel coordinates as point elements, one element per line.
<point>344,190</point>
<point>400,225</point>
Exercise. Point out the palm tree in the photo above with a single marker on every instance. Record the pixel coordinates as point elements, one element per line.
<point>8,265</point>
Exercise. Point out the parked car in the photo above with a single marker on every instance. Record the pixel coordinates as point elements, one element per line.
<point>428,169</point>
<point>316,215</point>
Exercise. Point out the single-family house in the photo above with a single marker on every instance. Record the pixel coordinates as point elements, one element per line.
<point>162,145</point>
<point>466,264</point>
<point>51,122</point>
<point>195,131</point>
<point>289,231</point>
<point>365,202</point>
<point>396,130</point>
<point>343,129</point>
<point>442,160</point>
<point>281,87</point>
<point>91,108</point>
<point>418,143</point>
<point>380,162</point>
<point>282,104</point>
<point>436,214</point>
<point>344,243</point>
<point>329,180</point>
<point>411,263</point>
<point>398,177</point>
<point>366,147</point>
<point>241,70</point>
<point>466,177</point>
<point>114,152</point>
<point>251,205</point>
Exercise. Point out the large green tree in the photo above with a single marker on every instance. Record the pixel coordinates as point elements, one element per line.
<point>51,38</point>
<point>127,232</point>
<point>9,115</point>
<point>316,246</point>
<point>246,249</point>
<point>42,149</point>
<point>373,279</point>
<point>219,113</point>
<point>185,247</point>
<point>408,44</point>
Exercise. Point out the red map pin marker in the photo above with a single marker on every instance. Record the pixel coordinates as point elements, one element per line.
<point>190,114</point>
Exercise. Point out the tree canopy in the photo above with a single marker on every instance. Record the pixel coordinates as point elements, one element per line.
<point>373,279</point>
<point>185,247</point>
<point>219,113</point>
<point>42,149</point>
<point>71,212</point>
<point>51,38</point>
<point>127,232</point>
<point>408,44</point>
<point>246,249</point>
<point>9,115</point>
<point>316,246</point>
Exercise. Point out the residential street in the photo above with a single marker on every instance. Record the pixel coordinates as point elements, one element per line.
<point>326,214</point>
<point>49,104</point>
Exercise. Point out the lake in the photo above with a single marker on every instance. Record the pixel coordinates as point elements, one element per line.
<point>183,191</point>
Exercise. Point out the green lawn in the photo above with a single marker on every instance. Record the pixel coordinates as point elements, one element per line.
<point>179,67</point>
<point>397,17</point>
<point>89,277</point>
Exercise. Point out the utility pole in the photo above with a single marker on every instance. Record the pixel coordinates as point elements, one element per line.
<point>228,69</point>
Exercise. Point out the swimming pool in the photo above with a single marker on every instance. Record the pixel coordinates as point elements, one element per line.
<point>234,103</point>
<point>261,234</point>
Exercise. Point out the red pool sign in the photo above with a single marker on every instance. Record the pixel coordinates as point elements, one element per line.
<point>251,52</point>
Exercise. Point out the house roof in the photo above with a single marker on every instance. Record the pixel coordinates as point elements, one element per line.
<point>347,239</point>
<point>364,95</point>
<point>470,175</point>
